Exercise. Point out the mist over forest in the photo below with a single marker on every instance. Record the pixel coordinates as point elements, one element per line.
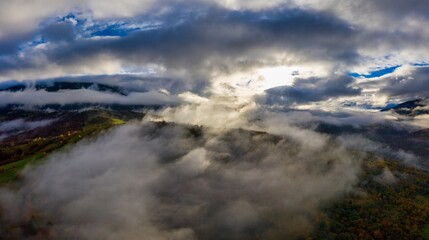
<point>214,119</point>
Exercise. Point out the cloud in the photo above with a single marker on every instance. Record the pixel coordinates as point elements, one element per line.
<point>10,45</point>
<point>393,9</point>
<point>61,31</point>
<point>340,118</point>
<point>359,142</point>
<point>12,127</point>
<point>42,97</point>
<point>420,121</point>
<point>386,177</point>
<point>407,82</point>
<point>221,113</point>
<point>21,124</point>
<point>201,41</point>
<point>170,182</point>
<point>127,82</point>
<point>311,90</point>
<point>202,45</point>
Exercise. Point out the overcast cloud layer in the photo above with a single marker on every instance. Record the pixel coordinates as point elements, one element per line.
<point>201,45</point>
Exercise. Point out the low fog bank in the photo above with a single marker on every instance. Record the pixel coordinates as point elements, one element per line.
<point>373,132</point>
<point>12,127</point>
<point>42,97</point>
<point>157,181</point>
<point>22,125</point>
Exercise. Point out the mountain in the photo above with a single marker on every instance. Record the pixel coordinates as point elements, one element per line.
<point>84,106</point>
<point>58,86</point>
<point>410,108</point>
<point>395,139</point>
<point>387,193</point>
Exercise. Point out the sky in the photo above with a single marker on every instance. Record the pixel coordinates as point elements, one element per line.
<point>279,68</point>
<point>284,54</point>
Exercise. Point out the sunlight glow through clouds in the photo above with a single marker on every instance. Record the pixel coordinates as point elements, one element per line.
<point>247,84</point>
<point>285,75</point>
<point>277,76</point>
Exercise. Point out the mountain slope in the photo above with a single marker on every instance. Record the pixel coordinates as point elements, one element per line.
<point>410,108</point>
<point>59,86</point>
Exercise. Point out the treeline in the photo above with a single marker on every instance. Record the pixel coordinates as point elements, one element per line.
<point>394,209</point>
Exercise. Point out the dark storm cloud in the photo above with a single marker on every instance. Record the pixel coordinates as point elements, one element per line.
<point>218,40</point>
<point>10,45</point>
<point>412,83</point>
<point>397,8</point>
<point>61,31</point>
<point>226,35</point>
<point>202,40</point>
<point>311,90</point>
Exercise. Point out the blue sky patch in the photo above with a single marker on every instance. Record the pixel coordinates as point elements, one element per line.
<point>112,30</point>
<point>377,73</point>
<point>421,64</point>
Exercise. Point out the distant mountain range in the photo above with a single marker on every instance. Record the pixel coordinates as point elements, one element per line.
<point>58,86</point>
<point>411,108</point>
<point>67,86</point>
<point>408,108</point>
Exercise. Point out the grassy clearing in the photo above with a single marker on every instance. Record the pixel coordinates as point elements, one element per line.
<point>425,233</point>
<point>116,121</point>
<point>9,172</point>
